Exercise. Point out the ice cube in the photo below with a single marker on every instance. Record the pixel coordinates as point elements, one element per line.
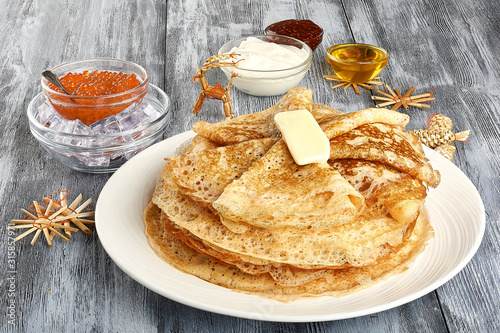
<point>93,159</point>
<point>52,120</point>
<point>60,124</point>
<point>151,111</point>
<point>79,128</point>
<point>45,112</point>
<point>56,123</point>
<point>98,160</point>
<point>48,116</point>
<point>65,126</point>
<point>106,126</point>
<point>132,117</point>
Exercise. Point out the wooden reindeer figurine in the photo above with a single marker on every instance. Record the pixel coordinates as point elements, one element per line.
<point>215,92</point>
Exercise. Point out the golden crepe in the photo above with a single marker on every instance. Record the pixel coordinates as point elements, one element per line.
<point>340,124</point>
<point>385,189</point>
<point>204,174</point>
<point>354,244</point>
<point>328,283</point>
<point>200,143</point>
<point>234,209</point>
<point>289,195</point>
<point>387,144</point>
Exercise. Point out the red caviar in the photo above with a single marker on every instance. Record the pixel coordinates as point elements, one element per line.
<point>97,83</point>
<point>96,94</point>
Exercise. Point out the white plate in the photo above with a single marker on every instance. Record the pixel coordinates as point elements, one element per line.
<point>454,209</point>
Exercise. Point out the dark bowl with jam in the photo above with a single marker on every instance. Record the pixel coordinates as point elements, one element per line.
<point>304,30</point>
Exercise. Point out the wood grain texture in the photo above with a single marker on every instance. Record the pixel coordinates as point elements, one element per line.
<point>452,46</point>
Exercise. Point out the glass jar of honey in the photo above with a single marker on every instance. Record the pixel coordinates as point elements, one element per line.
<point>357,63</point>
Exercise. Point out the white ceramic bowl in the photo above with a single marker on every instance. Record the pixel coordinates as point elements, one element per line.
<point>268,82</point>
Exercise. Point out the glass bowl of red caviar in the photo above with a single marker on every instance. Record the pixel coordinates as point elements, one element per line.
<point>304,30</point>
<point>105,145</point>
<point>98,88</point>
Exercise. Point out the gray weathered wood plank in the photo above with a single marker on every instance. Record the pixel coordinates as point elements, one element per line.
<point>72,286</point>
<point>451,46</point>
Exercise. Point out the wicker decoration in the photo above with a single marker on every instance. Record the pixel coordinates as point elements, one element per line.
<point>447,150</point>
<point>438,135</point>
<point>49,216</point>
<point>347,84</point>
<point>405,100</point>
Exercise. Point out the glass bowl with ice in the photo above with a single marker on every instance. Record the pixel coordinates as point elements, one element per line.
<point>97,134</point>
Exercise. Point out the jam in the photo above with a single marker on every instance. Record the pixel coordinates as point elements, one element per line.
<point>96,94</point>
<point>304,30</point>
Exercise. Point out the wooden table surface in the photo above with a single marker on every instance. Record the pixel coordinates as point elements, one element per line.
<point>451,46</point>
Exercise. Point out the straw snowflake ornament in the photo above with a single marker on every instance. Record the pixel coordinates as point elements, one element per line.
<point>49,216</point>
<point>346,84</point>
<point>397,100</point>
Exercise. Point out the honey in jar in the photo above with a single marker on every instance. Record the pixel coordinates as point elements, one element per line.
<point>357,63</point>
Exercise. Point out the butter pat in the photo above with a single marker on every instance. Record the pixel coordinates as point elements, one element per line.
<point>306,141</point>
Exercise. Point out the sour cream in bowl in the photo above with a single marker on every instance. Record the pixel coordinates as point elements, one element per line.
<point>267,65</point>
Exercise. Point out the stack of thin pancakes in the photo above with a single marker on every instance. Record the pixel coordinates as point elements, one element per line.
<point>234,209</point>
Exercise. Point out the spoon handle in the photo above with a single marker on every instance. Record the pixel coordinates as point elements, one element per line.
<point>52,78</point>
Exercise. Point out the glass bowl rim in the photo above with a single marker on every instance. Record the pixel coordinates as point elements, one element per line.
<point>331,48</point>
<point>286,76</point>
<point>41,128</point>
<point>302,64</point>
<point>144,83</point>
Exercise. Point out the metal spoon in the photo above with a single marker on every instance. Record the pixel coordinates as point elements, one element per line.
<point>49,75</point>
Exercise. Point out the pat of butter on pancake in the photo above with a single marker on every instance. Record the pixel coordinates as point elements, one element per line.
<point>306,141</point>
